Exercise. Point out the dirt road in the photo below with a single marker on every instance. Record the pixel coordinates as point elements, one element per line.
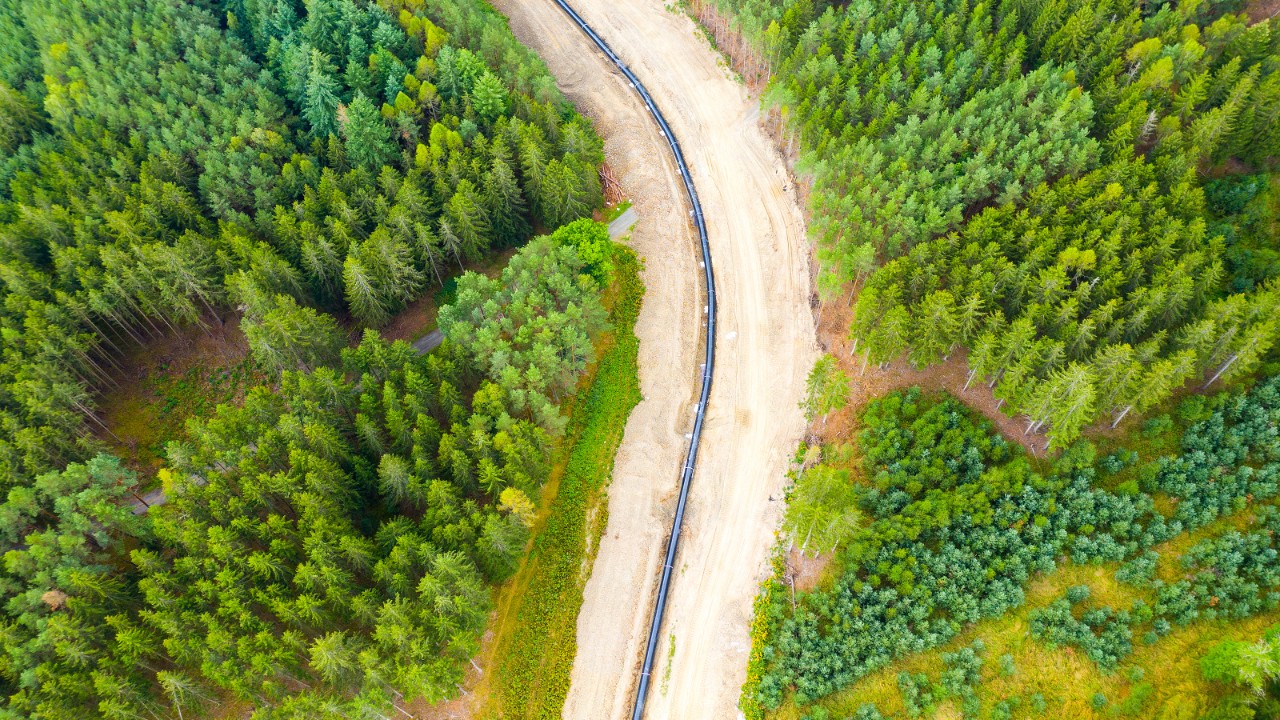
<point>765,347</point>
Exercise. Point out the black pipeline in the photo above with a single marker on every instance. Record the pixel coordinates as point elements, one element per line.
<point>686,475</point>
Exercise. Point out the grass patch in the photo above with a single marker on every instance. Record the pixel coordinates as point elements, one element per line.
<point>146,422</point>
<point>614,212</point>
<point>535,635</point>
<point>671,656</point>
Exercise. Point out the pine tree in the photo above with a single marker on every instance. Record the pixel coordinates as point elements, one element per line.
<point>505,204</point>
<point>19,118</point>
<point>827,389</point>
<point>362,292</point>
<point>288,336</point>
<point>937,328</point>
<point>468,220</point>
<point>822,513</point>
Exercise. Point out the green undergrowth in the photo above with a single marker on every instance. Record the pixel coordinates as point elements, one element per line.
<point>1030,679</point>
<point>198,391</point>
<point>534,650</point>
<point>147,418</point>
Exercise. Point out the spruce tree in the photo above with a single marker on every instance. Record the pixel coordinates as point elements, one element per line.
<point>366,135</point>
<point>489,97</point>
<point>320,103</point>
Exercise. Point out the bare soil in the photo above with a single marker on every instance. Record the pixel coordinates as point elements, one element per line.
<point>833,333</point>
<point>804,572</point>
<point>766,346</point>
<point>1262,10</point>
<point>416,320</point>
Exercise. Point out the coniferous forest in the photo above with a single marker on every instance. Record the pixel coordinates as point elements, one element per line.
<point>1039,183</point>
<point>1078,201</point>
<point>308,168</point>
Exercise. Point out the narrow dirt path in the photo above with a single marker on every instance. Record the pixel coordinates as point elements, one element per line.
<point>765,348</point>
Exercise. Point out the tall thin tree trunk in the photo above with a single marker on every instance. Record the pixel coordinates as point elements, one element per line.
<point>129,331</point>
<point>1221,370</point>
<point>100,333</point>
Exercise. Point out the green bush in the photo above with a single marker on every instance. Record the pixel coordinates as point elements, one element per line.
<point>1007,666</point>
<point>962,522</point>
<point>1132,705</point>
<point>1156,426</point>
<point>868,711</point>
<point>1104,634</point>
<point>917,693</point>
<point>591,240</point>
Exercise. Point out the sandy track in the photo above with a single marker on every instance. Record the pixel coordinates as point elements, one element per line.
<point>765,347</point>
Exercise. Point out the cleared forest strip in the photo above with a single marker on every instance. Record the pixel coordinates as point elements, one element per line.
<point>766,346</point>
<point>708,369</point>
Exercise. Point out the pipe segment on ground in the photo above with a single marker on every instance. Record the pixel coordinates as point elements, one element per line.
<point>686,475</point>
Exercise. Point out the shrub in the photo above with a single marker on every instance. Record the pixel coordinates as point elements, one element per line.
<point>1139,571</point>
<point>1156,426</point>
<point>1007,667</point>
<point>1105,635</point>
<point>1230,576</point>
<point>1137,698</point>
<point>917,693</point>
<point>868,711</point>
<point>963,669</point>
<point>1118,460</point>
<point>961,522</point>
<point>1003,710</point>
<point>1219,664</point>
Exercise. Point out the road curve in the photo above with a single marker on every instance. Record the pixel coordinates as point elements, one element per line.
<point>708,366</point>
<point>765,347</point>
